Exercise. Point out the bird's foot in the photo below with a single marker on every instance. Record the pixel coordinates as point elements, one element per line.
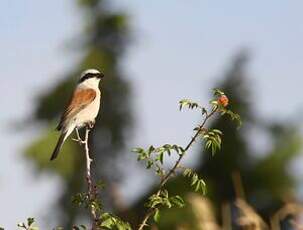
<point>79,140</point>
<point>91,124</point>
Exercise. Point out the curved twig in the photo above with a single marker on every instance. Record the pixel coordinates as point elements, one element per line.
<point>90,185</point>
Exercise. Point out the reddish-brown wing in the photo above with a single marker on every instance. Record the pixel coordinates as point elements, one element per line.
<point>80,99</point>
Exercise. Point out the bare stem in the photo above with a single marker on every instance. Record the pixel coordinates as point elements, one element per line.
<point>91,189</point>
<point>172,171</point>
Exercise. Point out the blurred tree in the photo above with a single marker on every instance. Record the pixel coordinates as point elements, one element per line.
<point>265,181</point>
<point>106,37</point>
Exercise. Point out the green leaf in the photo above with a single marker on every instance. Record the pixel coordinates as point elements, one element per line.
<point>150,150</point>
<point>233,116</point>
<point>214,102</point>
<point>154,200</point>
<point>201,186</point>
<point>157,216</point>
<point>197,188</point>
<point>100,184</point>
<point>110,221</point>
<point>217,131</point>
<point>80,199</point>
<point>137,150</point>
<point>149,164</point>
<point>178,201</point>
<point>187,172</point>
<point>167,203</point>
<point>190,104</point>
<point>30,221</point>
<point>21,225</point>
<point>218,92</point>
<point>29,225</point>
<point>33,228</point>
<point>204,111</point>
<point>164,193</point>
<point>213,140</point>
<point>208,144</point>
<point>161,157</point>
<point>194,179</point>
<point>196,182</point>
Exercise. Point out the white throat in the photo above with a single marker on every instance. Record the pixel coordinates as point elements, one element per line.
<point>91,83</point>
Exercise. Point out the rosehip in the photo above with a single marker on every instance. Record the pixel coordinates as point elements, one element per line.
<point>223,100</point>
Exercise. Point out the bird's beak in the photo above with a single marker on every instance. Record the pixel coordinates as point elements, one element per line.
<point>100,75</point>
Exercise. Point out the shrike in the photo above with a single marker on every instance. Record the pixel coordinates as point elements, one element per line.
<point>82,108</point>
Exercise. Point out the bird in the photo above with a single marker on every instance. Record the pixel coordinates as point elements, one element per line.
<point>82,108</point>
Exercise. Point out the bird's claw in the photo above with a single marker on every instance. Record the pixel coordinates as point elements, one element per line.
<point>91,124</point>
<point>79,140</point>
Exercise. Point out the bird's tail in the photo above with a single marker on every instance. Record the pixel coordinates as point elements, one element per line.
<point>59,145</point>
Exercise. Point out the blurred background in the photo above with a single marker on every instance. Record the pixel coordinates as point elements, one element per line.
<point>153,54</point>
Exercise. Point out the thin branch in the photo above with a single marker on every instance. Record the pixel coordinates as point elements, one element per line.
<point>172,171</point>
<point>90,185</point>
<point>91,190</point>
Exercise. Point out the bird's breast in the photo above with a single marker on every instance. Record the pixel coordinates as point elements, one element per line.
<point>90,112</point>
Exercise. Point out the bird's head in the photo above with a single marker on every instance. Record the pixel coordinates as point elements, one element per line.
<point>92,76</point>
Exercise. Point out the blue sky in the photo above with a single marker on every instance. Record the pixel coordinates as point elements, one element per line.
<point>183,45</point>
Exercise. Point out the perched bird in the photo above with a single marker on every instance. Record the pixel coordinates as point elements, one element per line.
<point>82,108</point>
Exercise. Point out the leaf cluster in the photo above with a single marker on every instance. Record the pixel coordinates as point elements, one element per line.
<point>109,221</point>
<point>233,116</point>
<point>189,104</point>
<point>162,199</point>
<point>213,140</point>
<point>83,200</point>
<point>154,157</point>
<point>218,92</point>
<point>105,220</point>
<point>29,225</point>
<point>196,182</point>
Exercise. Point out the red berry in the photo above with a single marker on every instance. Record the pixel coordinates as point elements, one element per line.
<point>223,100</point>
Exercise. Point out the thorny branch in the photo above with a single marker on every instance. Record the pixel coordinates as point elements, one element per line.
<point>90,185</point>
<point>172,171</point>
